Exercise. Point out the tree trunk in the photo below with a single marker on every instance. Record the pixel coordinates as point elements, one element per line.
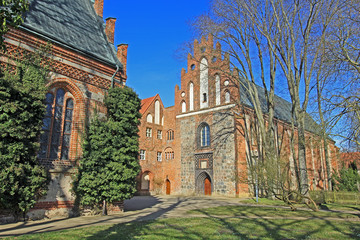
<point>304,181</point>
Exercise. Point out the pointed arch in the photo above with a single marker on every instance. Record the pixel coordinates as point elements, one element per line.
<point>217,90</point>
<point>157,112</point>
<point>204,83</point>
<point>191,96</point>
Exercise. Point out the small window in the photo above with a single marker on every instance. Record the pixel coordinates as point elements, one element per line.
<point>192,67</point>
<point>170,135</point>
<point>159,157</point>
<point>148,132</point>
<point>149,118</point>
<point>227,97</point>
<point>204,97</point>
<point>159,134</point>
<point>142,154</point>
<point>203,163</point>
<point>169,154</point>
<point>214,59</point>
<point>183,106</point>
<point>203,49</point>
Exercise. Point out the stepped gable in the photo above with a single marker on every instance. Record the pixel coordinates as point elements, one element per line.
<point>73,24</point>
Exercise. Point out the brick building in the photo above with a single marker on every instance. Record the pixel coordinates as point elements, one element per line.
<point>198,146</point>
<point>83,63</point>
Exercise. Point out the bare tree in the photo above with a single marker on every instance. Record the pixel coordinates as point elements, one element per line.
<point>240,33</point>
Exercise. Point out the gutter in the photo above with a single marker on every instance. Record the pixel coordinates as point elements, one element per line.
<point>113,76</point>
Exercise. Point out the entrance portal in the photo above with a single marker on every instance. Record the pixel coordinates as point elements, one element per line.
<point>203,184</point>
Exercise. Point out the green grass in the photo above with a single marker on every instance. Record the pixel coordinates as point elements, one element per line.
<point>212,228</point>
<point>234,211</point>
<point>241,222</point>
<point>329,206</point>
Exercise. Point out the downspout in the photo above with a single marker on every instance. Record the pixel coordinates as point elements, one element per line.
<point>113,76</point>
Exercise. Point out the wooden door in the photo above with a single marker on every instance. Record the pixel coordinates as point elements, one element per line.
<point>207,186</point>
<point>168,187</point>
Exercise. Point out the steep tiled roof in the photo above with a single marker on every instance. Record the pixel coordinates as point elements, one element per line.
<point>282,108</point>
<point>145,103</point>
<point>72,23</point>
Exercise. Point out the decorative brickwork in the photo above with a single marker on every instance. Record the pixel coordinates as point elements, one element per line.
<point>210,96</point>
<point>84,79</point>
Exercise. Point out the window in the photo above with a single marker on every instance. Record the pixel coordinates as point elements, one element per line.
<point>149,118</point>
<point>159,157</point>
<point>227,97</point>
<point>148,132</point>
<point>170,135</point>
<point>142,154</point>
<point>183,106</point>
<point>204,132</point>
<point>169,155</point>
<point>204,97</point>
<point>159,134</point>
<point>57,125</point>
<point>203,163</point>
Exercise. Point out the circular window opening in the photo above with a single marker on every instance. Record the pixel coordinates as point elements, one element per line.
<point>183,94</point>
<point>192,67</point>
<point>214,59</point>
<point>226,83</point>
<point>203,49</point>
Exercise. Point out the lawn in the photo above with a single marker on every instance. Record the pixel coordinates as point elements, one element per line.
<point>328,206</point>
<point>243,222</point>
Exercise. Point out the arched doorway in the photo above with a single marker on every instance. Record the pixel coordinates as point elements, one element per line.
<point>168,187</point>
<point>203,184</point>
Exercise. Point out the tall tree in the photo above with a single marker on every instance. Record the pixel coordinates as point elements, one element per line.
<point>11,12</point>
<point>290,33</point>
<point>110,164</point>
<point>240,32</point>
<point>22,93</point>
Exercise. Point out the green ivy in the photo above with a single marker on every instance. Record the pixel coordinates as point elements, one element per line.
<point>11,12</point>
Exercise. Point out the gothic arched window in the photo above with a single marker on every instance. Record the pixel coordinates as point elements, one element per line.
<point>57,125</point>
<point>204,135</point>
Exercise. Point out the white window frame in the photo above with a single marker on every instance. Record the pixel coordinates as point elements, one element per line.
<point>159,134</point>
<point>142,154</point>
<point>148,132</point>
<point>159,156</point>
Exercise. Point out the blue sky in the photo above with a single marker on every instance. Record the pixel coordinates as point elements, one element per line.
<point>154,30</point>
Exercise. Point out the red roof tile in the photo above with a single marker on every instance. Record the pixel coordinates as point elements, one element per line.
<point>145,103</point>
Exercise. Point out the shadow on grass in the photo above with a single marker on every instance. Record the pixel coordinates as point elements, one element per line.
<point>244,224</point>
<point>137,203</point>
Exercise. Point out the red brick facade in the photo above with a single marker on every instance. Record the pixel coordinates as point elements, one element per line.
<point>85,80</point>
<point>207,103</point>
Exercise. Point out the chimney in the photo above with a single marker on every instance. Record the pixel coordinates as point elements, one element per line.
<point>99,7</point>
<point>110,29</point>
<point>122,55</point>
